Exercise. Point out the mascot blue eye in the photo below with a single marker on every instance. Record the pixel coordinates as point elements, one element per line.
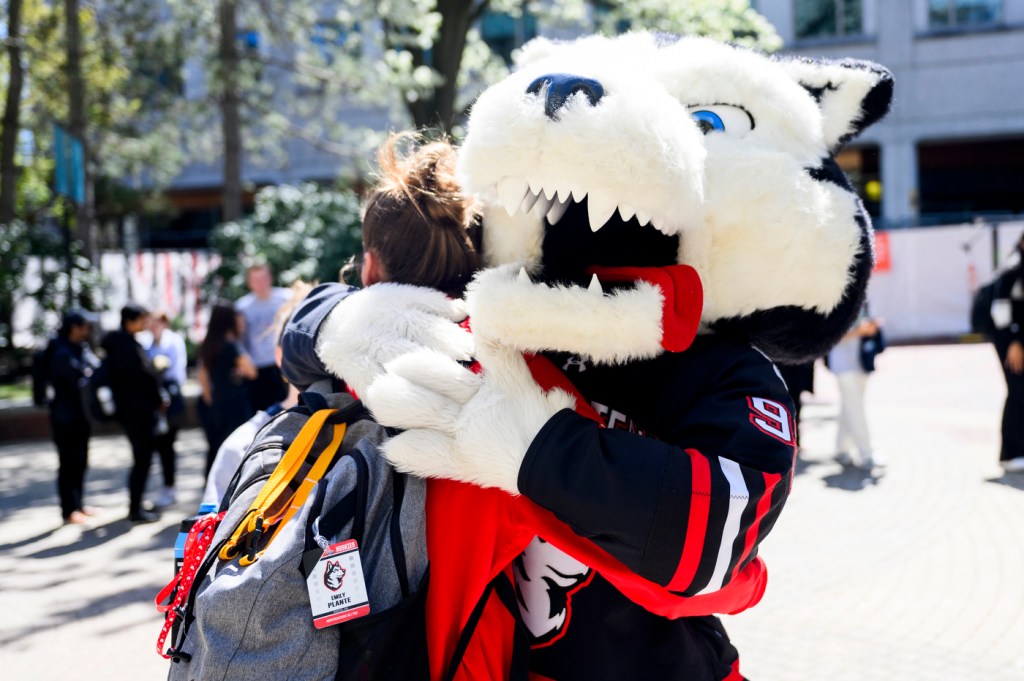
<point>708,121</point>
<point>728,119</point>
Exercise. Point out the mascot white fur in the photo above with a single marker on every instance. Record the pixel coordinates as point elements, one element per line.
<point>663,219</point>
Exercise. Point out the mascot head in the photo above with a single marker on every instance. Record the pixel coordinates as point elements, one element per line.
<point>646,151</point>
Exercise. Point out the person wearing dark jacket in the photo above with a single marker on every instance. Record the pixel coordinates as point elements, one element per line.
<point>225,372</point>
<point>1008,315</point>
<point>139,399</point>
<point>71,362</point>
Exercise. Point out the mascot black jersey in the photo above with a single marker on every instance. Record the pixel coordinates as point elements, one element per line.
<point>687,475</point>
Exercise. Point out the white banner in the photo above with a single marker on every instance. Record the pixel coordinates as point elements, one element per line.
<point>168,281</point>
<point>926,291</point>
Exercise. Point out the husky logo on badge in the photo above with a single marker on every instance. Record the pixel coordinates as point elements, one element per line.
<point>334,575</point>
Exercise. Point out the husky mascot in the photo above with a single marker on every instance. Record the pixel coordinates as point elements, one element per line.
<point>663,220</point>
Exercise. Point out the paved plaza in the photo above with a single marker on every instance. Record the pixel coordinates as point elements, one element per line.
<point>914,576</point>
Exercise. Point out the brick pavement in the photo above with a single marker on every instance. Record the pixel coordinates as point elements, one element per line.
<point>914,576</point>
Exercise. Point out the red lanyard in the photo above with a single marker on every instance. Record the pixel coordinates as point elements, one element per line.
<point>200,536</point>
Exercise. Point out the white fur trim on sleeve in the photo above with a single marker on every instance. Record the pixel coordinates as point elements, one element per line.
<point>381,322</point>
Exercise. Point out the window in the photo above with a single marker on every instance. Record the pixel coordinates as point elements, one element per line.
<point>961,13</point>
<point>958,181</point>
<point>862,165</point>
<point>504,33</point>
<point>827,18</point>
<point>330,37</point>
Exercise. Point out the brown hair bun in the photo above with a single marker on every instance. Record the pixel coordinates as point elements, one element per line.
<point>417,220</point>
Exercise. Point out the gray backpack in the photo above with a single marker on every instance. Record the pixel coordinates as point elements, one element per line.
<point>254,621</point>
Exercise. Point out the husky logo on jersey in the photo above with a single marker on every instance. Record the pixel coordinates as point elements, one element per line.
<point>546,579</point>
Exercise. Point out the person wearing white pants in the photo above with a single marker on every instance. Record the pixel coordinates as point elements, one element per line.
<point>845,361</point>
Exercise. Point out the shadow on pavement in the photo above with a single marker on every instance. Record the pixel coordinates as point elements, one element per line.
<point>36,487</point>
<point>1014,480</point>
<point>92,536</point>
<point>93,608</point>
<point>161,542</point>
<point>851,479</point>
<point>30,540</point>
<point>802,465</point>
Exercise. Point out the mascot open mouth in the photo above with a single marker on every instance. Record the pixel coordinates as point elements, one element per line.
<point>606,275</point>
<point>572,248</point>
<point>582,233</point>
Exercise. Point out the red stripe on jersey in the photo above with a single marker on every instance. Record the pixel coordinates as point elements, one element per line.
<point>734,672</point>
<point>764,504</point>
<point>696,525</point>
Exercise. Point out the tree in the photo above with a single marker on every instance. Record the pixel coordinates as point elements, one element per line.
<point>19,243</point>
<point>122,105</point>
<point>436,59</point>
<point>77,123</point>
<point>440,45</point>
<point>12,113</point>
<point>730,20</point>
<point>288,70</point>
<point>263,79</point>
<point>230,110</point>
<point>126,55</point>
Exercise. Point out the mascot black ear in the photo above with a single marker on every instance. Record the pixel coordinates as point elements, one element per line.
<point>851,93</point>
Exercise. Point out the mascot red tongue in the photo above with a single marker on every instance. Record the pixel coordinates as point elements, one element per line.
<point>496,527</point>
<point>683,299</point>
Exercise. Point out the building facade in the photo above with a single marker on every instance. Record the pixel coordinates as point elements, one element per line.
<point>952,149</point>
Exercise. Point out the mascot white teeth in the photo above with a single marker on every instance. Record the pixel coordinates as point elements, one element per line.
<point>663,219</point>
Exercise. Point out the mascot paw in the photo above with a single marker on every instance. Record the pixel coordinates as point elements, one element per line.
<point>375,325</point>
<point>459,425</point>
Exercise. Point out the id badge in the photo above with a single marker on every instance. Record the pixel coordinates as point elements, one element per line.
<point>337,587</point>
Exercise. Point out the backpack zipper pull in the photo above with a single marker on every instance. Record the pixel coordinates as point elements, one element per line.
<point>254,540</point>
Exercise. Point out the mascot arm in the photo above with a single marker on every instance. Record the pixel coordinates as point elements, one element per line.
<point>350,333</point>
<point>686,514</point>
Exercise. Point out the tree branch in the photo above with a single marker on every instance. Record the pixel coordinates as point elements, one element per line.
<point>304,135</point>
<point>316,72</point>
<point>478,11</point>
<point>318,143</point>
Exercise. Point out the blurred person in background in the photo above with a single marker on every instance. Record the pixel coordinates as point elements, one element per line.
<point>852,360</point>
<point>70,363</point>
<point>166,350</point>
<point>799,379</point>
<point>140,400</point>
<point>225,373</point>
<point>229,455</point>
<point>257,310</point>
<point>1008,339</point>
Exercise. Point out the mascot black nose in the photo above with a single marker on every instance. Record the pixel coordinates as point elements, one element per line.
<point>563,85</point>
